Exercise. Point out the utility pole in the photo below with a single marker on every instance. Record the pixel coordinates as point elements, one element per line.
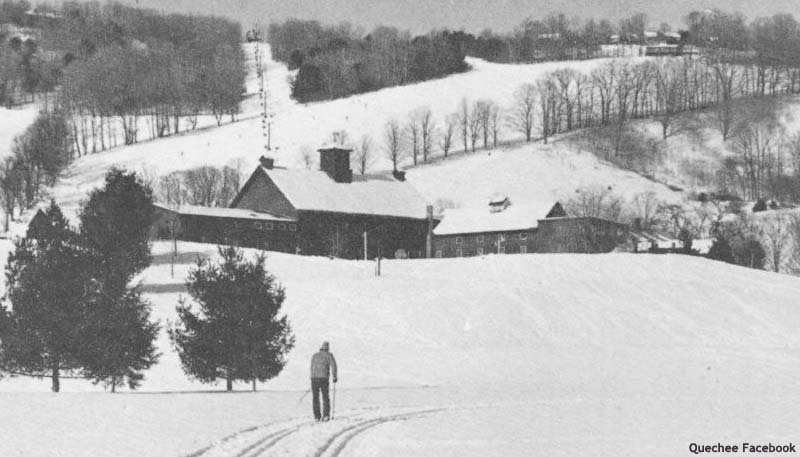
<point>429,236</point>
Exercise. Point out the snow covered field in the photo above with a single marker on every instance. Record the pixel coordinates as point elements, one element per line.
<point>14,121</point>
<point>496,355</point>
<point>528,173</point>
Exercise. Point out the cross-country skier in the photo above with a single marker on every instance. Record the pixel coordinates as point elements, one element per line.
<point>322,364</point>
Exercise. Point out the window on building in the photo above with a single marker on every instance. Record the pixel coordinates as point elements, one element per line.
<point>480,239</point>
<point>292,227</point>
<point>268,226</point>
<point>523,249</point>
<point>459,240</point>
<point>501,237</point>
<point>459,253</point>
<point>281,226</point>
<point>523,236</point>
<point>480,251</point>
<point>501,250</point>
<point>438,253</point>
<point>258,225</point>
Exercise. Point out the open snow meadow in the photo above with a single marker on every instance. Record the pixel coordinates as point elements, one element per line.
<point>573,355</point>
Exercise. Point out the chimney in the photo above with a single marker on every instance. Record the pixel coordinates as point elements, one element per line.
<point>267,162</point>
<point>335,161</point>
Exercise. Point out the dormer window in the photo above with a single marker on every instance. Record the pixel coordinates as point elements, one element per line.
<point>498,203</point>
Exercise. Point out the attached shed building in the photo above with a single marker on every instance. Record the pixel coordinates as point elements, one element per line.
<point>226,226</point>
<point>505,228</point>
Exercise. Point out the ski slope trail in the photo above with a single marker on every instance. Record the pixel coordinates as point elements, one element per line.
<point>308,438</point>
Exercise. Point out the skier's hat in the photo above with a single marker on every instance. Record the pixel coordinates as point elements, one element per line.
<point>325,346</point>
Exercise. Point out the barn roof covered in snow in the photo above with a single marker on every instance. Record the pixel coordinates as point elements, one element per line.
<point>231,213</point>
<point>483,220</point>
<point>378,195</point>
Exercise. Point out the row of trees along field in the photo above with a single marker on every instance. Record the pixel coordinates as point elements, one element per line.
<point>338,61</point>
<point>118,71</point>
<point>70,309</point>
<point>606,99</point>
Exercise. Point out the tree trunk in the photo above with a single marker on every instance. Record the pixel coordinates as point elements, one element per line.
<point>113,384</point>
<point>254,384</point>
<point>229,384</point>
<point>56,381</point>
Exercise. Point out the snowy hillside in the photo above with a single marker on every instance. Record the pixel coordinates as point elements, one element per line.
<point>577,347</point>
<point>14,121</point>
<point>528,173</point>
<point>430,322</point>
<point>298,128</point>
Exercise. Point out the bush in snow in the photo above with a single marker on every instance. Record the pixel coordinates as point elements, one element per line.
<point>236,334</point>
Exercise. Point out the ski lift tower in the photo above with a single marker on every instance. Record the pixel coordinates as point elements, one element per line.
<point>263,94</point>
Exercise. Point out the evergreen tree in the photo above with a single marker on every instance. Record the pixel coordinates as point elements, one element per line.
<point>721,250</point>
<point>749,253</point>
<point>119,336</point>
<point>237,334</point>
<point>115,224</point>
<point>45,277</point>
<point>119,339</point>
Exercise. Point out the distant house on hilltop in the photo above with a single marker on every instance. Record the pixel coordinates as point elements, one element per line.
<point>506,228</point>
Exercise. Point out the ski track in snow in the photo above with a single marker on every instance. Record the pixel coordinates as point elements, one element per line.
<point>308,438</point>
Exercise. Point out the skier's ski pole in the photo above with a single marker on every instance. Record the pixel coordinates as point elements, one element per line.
<point>304,396</point>
<point>333,407</point>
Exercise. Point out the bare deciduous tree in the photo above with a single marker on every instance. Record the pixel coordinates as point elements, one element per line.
<point>393,141</point>
<point>776,237</point>
<point>647,207</point>
<point>547,105</point>
<point>598,202</point>
<point>474,126</point>
<point>413,132</point>
<point>448,132</point>
<point>363,154</point>
<point>521,115</point>
<point>464,122</point>
<point>753,144</point>
<point>427,129</point>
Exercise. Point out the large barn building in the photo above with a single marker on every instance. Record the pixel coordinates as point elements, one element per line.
<point>505,228</point>
<point>337,213</point>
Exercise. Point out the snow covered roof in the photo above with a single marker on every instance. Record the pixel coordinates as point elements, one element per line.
<point>310,190</point>
<point>481,219</point>
<point>645,239</point>
<point>232,213</point>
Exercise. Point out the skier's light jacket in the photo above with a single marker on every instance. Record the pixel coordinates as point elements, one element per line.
<point>323,363</point>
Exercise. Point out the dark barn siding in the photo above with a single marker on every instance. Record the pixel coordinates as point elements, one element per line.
<point>272,236</point>
<point>578,234</point>
<point>341,235</point>
<point>470,244</point>
<point>558,234</point>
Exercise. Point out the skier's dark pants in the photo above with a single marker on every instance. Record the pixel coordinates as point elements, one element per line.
<point>320,386</point>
